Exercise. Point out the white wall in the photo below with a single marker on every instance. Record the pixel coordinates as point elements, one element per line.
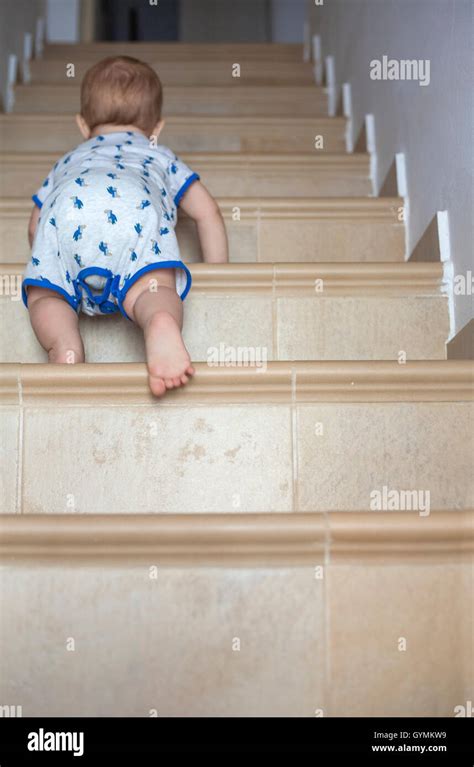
<point>16,18</point>
<point>432,125</point>
<point>288,17</point>
<point>62,22</point>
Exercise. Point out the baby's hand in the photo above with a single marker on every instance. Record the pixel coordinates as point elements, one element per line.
<point>201,206</point>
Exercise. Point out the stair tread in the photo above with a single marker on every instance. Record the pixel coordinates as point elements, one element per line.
<point>217,132</point>
<point>192,71</point>
<point>224,173</point>
<point>268,99</point>
<point>269,229</point>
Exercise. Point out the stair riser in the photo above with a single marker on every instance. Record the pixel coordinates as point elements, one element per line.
<point>217,457</point>
<point>195,52</point>
<point>273,181</point>
<point>189,660</point>
<point>239,100</point>
<point>59,134</point>
<point>188,73</point>
<point>268,241</point>
<point>330,328</point>
<point>212,647</point>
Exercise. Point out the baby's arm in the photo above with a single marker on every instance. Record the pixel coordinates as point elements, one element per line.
<point>199,205</point>
<point>33,223</point>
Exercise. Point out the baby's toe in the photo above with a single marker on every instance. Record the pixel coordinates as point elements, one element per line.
<point>157,386</point>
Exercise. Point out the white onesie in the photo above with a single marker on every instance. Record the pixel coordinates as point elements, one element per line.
<point>108,216</point>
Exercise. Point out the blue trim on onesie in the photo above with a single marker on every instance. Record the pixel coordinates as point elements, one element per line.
<point>111,286</point>
<point>99,299</point>
<point>72,300</point>
<point>179,196</point>
<point>37,201</point>
<point>120,295</point>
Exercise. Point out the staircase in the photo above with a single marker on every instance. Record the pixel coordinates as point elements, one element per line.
<point>220,552</point>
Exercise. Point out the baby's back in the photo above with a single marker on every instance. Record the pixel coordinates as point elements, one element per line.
<point>112,168</point>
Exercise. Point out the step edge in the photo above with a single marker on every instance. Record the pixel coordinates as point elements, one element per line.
<point>310,87</point>
<point>288,383</point>
<point>60,117</point>
<point>396,279</point>
<point>199,539</point>
<point>221,159</point>
<point>344,207</point>
<point>174,118</point>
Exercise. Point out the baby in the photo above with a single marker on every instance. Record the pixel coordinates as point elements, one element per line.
<point>105,240</point>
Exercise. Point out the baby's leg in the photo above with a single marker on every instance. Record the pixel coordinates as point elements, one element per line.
<point>56,326</point>
<point>156,307</point>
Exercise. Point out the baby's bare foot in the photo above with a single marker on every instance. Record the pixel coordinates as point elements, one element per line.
<point>169,364</point>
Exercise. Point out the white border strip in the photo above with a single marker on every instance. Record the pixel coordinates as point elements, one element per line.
<point>331,88</point>
<point>402,191</point>
<point>12,76</point>
<point>347,110</point>
<point>372,150</point>
<point>317,60</point>
<point>442,222</point>
<point>27,56</point>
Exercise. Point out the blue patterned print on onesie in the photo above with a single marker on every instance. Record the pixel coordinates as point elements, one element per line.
<point>94,236</point>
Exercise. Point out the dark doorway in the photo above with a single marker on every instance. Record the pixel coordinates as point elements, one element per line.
<point>130,20</point>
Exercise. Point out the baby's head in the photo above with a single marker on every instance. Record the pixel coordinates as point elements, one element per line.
<point>121,91</point>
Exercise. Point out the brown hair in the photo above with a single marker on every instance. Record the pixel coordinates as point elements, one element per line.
<point>121,90</point>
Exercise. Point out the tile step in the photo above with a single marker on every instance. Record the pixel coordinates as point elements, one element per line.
<point>191,72</point>
<point>242,99</point>
<point>291,437</point>
<point>267,230</point>
<point>342,311</point>
<point>196,640</point>
<point>228,174</point>
<point>186,133</point>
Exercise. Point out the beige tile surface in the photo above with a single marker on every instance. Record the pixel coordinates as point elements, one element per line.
<point>403,446</point>
<point>164,643</point>
<point>307,328</point>
<point>243,242</point>
<point>258,183</point>
<point>59,134</point>
<point>238,321</point>
<point>277,241</point>
<point>159,458</point>
<point>467,632</point>
<point>242,238</point>
<point>9,427</point>
<point>371,610</point>
<point>18,343</point>
<point>234,99</point>
<point>208,321</point>
<point>362,328</point>
<point>331,241</point>
<point>112,339</point>
<point>193,73</point>
<point>14,239</point>
<point>227,181</point>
